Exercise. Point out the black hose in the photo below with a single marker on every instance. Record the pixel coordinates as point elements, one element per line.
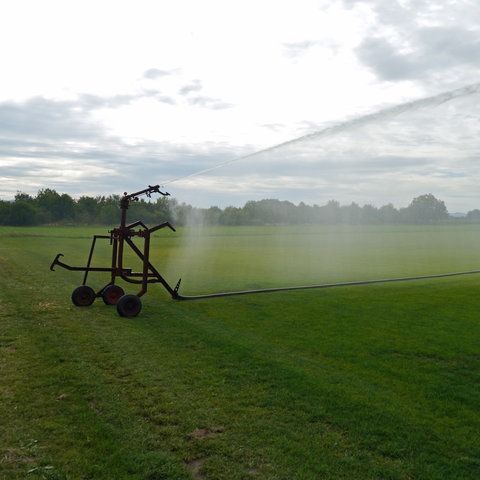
<point>327,285</point>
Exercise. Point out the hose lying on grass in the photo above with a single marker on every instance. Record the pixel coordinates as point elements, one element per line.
<point>326,285</point>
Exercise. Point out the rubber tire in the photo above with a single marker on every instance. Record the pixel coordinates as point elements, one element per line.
<point>129,306</point>
<point>112,294</point>
<point>83,296</point>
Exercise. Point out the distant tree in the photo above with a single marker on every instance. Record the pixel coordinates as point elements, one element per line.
<point>5,212</point>
<point>212,215</point>
<point>108,215</point>
<point>163,208</point>
<point>180,212</point>
<point>47,200</point>
<point>50,206</point>
<point>108,210</point>
<point>66,207</point>
<point>250,213</point>
<point>23,197</point>
<point>269,211</point>
<point>55,207</point>
<point>473,216</point>
<point>86,209</point>
<point>232,216</point>
<point>426,209</point>
<point>370,215</point>
<point>351,214</point>
<point>302,214</point>
<point>23,213</point>
<point>388,214</point>
<point>330,213</point>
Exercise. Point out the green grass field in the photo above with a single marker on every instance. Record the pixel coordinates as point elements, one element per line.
<point>367,382</point>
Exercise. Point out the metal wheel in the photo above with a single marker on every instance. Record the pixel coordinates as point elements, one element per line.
<point>83,296</point>
<point>112,294</point>
<point>129,306</point>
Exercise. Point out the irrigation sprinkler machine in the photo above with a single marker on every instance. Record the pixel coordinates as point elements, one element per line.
<point>128,305</point>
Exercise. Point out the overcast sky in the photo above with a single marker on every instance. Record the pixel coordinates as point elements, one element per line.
<point>101,97</point>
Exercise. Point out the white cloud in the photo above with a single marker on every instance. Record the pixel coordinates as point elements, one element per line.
<point>140,90</point>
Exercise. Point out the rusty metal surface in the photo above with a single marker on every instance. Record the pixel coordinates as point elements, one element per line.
<point>121,238</point>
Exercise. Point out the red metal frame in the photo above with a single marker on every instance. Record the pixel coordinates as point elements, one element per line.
<point>121,237</point>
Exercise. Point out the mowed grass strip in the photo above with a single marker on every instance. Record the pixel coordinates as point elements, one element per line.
<point>370,382</point>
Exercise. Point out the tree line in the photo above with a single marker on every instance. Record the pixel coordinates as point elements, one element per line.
<point>51,207</point>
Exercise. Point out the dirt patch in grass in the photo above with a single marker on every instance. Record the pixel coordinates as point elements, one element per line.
<point>194,467</point>
<point>208,432</point>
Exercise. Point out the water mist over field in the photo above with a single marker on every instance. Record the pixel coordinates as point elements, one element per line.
<point>219,259</point>
<point>391,156</point>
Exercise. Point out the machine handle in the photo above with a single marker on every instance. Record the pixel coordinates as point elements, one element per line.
<point>55,262</point>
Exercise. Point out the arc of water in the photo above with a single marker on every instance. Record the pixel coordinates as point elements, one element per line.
<point>349,124</point>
